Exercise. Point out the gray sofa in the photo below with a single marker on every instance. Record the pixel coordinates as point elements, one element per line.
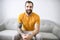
<point>48,30</point>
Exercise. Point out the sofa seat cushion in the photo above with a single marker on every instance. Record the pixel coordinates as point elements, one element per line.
<point>43,35</point>
<point>7,34</point>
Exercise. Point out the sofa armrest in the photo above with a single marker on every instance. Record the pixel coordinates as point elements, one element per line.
<point>2,27</point>
<point>56,31</point>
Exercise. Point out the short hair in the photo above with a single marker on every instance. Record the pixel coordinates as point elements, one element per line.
<point>28,2</point>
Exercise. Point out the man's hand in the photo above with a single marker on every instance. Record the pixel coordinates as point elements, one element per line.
<point>27,36</point>
<point>24,37</point>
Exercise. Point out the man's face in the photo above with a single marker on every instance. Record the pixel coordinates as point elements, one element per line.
<point>28,8</point>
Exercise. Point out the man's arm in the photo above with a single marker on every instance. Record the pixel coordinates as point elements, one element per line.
<point>19,29</point>
<point>36,27</point>
<point>36,30</point>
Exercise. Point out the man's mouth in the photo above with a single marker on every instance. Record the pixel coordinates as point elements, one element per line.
<point>28,11</point>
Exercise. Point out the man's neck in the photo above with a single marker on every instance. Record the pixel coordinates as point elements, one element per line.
<point>28,14</point>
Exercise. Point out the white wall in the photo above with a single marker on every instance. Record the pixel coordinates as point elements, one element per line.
<point>1,15</point>
<point>47,9</point>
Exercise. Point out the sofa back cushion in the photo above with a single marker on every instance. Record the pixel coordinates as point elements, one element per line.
<point>56,31</point>
<point>11,24</point>
<point>46,26</point>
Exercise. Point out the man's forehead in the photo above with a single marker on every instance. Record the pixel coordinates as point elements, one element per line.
<point>29,4</point>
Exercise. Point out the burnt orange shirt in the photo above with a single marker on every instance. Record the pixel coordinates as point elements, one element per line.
<point>28,21</point>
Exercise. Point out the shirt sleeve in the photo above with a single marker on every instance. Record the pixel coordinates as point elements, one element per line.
<point>38,20</point>
<point>19,19</point>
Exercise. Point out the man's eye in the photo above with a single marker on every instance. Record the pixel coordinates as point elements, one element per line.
<point>30,6</point>
<point>27,6</point>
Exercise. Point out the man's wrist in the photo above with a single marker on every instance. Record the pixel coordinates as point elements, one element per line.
<point>31,34</point>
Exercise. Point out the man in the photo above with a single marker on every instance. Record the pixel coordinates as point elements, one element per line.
<point>29,23</point>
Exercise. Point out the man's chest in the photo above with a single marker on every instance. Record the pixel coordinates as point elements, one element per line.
<point>28,20</point>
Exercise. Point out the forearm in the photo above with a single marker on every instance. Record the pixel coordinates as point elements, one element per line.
<point>20,31</point>
<point>34,32</point>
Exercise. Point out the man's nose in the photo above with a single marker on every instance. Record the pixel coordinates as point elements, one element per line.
<point>29,8</point>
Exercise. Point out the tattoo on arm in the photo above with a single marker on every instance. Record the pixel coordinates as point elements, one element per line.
<point>19,28</point>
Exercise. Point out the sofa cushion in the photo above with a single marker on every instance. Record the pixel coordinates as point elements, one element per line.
<point>7,34</point>
<point>46,26</point>
<point>43,35</point>
<point>56,31</point>
<point>11,24</point>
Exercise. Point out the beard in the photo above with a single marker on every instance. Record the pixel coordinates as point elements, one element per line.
<point>29,11</point>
